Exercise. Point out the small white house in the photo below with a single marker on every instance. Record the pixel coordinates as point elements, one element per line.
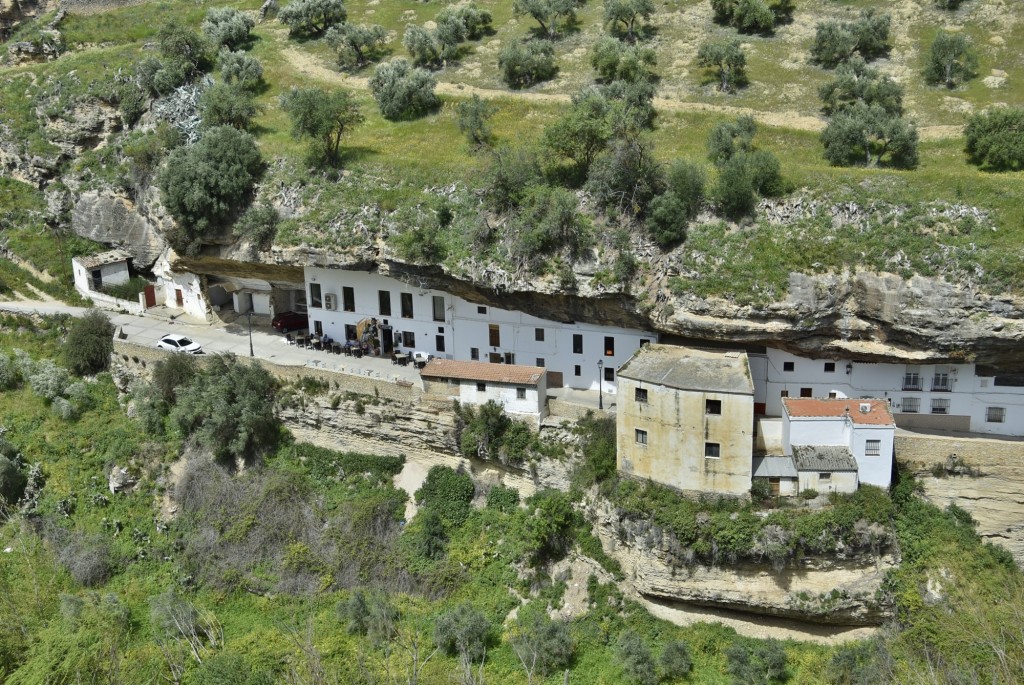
<point>779,472</point>
<point>520,390</point>
<point>825,468</point>
<point>863,428</point>
<point>94,273</point>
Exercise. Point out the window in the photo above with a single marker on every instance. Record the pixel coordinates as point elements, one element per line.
<point>826,477</point>
<point>806,392</point>
<point>439,343</point>
<point>318,328</point>
<point>540,362</point>
<point>832,394</point>
<point>495,358</point>
<point>577,343</point>
<point>940,382</point>
<point>911,405</point>
<point>577,371</point>
<point>641,437</point>
<point>474,353</point>
<point>995,414</point>
<point>510,358</point>
<point>712,450</point>
<point>538,334</point>
<point>873,448</point>
<point>609,374</point>
<point>494,335</point>
<point>481,310</point>
<point>384,302</point>
<point>788,366</point>
<point>440,329</point>
<point>640,395</point>
<point>350,332</point>
<point>481,387</point>
<point>520,393</point>
<point>644,342</point>
<point>609,346</point>
<point>438,308</point>
<point>830,367</point>
<point>348,299</point>
<point>408,339</point>
<point>940,406</point>
<point>912,381</point>
<point>406,299</point>
<point>316,298</point>
<point>784,393</point>
<point>712,406</point>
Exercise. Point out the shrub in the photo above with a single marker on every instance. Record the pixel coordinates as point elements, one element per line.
<point>734,190</point>
<point>626,176</point>
<point>323,117</point>
<point>424,47</point>
<point>623,15</point>
<point>240,69</point>
<point>463,631</point>
<point>730,137</point>
<point>614,61</point>
<point>509,177</point>
<point>542,645</point>
<point>995,140</point>
<point>258,224</point>
<point>47,380</point>
<point>312,17</point>
<point>582,132</point>
<point>203,184</point>
<point>948,4</point>
<point>549,220</point>
<point>809,493</point>
<point>131,103</point>
<point>224,104</point>
<point>370,614</point>
<point>503,499</point>
<point>676,661</point>
<point>951,60</point>
<point>526,62</point>
<point>728,58</point>
<point>225,668</point>
<point>447,492</point>
<point>173,372</point>
<point>868,135</point>
<point>760,663</point>
<point>749,16</point>
<point>62,408</point>
<point>227,26</point>
<point>356,44</point>
<point>856,82</point>
<point>552,527</point>
<point>90,343</point>
<point>672,211</point>
<point>12,480</point>
<point>468,21</point>
<point>472,119</point>
<point>402,91</point>
<point>9,376</point>
<point>86,557</point>
<point>636,659</point>
<point>182,48</point>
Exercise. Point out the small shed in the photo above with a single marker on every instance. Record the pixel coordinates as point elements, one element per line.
<point>779,472</point>
<point>521,390</point>
<point>825,468</point>
<point>97,271</point>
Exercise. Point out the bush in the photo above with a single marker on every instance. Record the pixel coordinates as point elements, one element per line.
<point>867,135</point>
<point>552,527</point>
<point>463,632</point>
<point>951,60</point>
<point>312,17</point>
<point>86,557</point>
<point>582,132</point>
<point>424,46</point>
<point>728,58</point>
<point>731,137</point>
<point>225,668</point>
<point>472,119</point>
<point>614,61</point>
<point>549,220</point>
<point>856,82</point>
<point>240,69</point>
<point>369,614</point>
<point>760,663</point>
<point>224,104</point>
<point>227,26</point>
<point>995,140</point>
<point>868,37</point>
<point>734,190</point>
<point>323,117</point>
<point>676,661</point>
<point>509,177</point>
<point>204,184</point>
<point>672,211</point>
<point>543,646</point>
<point>447,492</point>
<point>636,659</point>
<point>503,499</point>
<point>90,343</point>
<point>749,16</point>
<point>258,224</point>
<point>468,21</point>
<point>13,481</point>
<point>9,376</point>
<point>526,62</point>
<point>182,49</point>
<point>62,408</point>
<point>46,379</point>
<point>356,44</point>
<point>809,493</point>
<point>626,177</point>
<point>173,372</point>
<point>402,91</point>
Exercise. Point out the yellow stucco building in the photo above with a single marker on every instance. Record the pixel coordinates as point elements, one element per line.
<point>685,418</point>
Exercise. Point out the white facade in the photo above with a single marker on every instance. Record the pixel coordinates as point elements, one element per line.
<point>94,273</point>
<point>948,397</point>
<point>452,328</point>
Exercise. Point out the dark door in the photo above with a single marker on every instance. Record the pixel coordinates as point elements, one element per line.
<point>150,296</point>
<point>554,379</point>
<point>774,486</point>
<point>387,339</point>
<point>97,279</point>
<point>178,299</point>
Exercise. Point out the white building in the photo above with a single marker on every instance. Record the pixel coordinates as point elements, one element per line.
<point>520,390</point>
<point>863,429</point>
<point>409,317</point>
<point>94,273</point>
<point>180,290</point>
<point>947,397</point>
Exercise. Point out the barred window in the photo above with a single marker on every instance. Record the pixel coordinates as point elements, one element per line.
<point>995,414</point>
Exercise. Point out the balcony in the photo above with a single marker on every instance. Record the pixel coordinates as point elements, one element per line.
<point>912,383</point>
<point>941,385</point>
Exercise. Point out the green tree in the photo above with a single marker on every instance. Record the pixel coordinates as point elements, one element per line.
<point>473,115</point>
<point>229,409</point>
<point>756,663</point>
<point>542,645</point>
<point>312,17</point>
<point>868,37</point>
<point>626,176</point>
<point>614,61</point>
<point>730,137</point>
<point>240,69</point>
<point>204,184</point>
<point>582,132</point>
<point>832,44</point>
<point>173,372</point>
<point>323,117</point>
<point>636,659</point>
<point>224,104</point>
<point>549,220</point>
<point>951,60</point>
<point>447,492</point>
<point>672,211</point>
<point>227,26</point>
<point>676,661</point>
<point>423,46</point>
<point>468,21</point>
<point>512,172</point>
<point>464,632</point>
<point>526,62</point>
<point>868,135</point>
<point>625,14</point>
<point>728,58</point>
<point>552,528</point>
<point>258,224</point>
<point>356,44</point>
<point>753,16</point>
<point>90,343</point>
<point>734,190</point>
<point>180,45</point>
<point>995,139</point>
<point>403,91</point>
<point>12,480</point>
<point>856,82</point>
<point>550,14</point>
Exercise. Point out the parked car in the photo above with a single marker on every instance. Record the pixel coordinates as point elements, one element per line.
<point>290,321</point>
<point>179,343</point>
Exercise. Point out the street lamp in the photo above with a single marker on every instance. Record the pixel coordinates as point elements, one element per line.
<point>600,384</point>
<point>249,315</point>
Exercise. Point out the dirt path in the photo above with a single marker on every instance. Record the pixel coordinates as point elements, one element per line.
<point>312,67</point>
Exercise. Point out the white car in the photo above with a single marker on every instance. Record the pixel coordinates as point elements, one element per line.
<point>179,343</point>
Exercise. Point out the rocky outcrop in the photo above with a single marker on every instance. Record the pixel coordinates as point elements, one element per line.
<point>109,218</point>
<point>833,590</point>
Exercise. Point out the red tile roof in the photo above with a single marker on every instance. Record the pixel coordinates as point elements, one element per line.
<point>878,413</point>
<point>483,371</point>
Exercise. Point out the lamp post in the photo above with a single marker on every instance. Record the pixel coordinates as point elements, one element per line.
<point>600,384</point>
<point>249,315</point>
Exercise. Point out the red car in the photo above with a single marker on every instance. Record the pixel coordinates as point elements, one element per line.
<point>290,321</point>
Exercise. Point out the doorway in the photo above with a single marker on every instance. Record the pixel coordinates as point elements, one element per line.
<point>179,300</point>
<point>387,339</point>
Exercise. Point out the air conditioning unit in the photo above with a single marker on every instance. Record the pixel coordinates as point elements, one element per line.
<point>330,301</point>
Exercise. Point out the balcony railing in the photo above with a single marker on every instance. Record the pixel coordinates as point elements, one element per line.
<point>912,384</point>
<point>941,385</point>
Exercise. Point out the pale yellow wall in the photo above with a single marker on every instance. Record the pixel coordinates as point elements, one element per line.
<point>842,481</point>
<point>677,429</point>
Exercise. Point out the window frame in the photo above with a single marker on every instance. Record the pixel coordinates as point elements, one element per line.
<point>438,314</point>
<point>989,415</point>
<point>384,302</point>
<point>872,448</point>
<point>609,345</point>
<point>788,366</point>
<point>712,450</point>
<point>914,405</point>
<point>520,393</point>
<point>538,335</point>
<point>481,386</point>
<point>406,305</point>
<point>640,436</point>
<point>348,298</point>
<point>316,296</point>
<point>577,343</point>
<point>830,367</point>
<point>940,406</point>
<point>640,396</point>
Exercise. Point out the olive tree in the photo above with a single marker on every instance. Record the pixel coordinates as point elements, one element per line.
<point>403,91</point>
<point>541,644</point>
<point>749,16</point>
<point>468,21</point>
<point>951,60</point>
<point>464,632</point>
<point>728,58</point>
<point>868,135</point>
<point>312,18</point>
<point>867,36</point>
<point>224,104</point>
<point>90,343</point>
<point>624,15</point>
<point>856,82</point>
<point>240,69</point>
<point>356,44</point>
<point>995,139</point>
<point>426,48</point>
<point>614,61</point>
<point>673,210</point>
<point>582,132</point>
<point>472,119</point>
<point>526,62</point>
<point>226,26</point>
<point>636,659</point>
<point>322,116</point>
<point>548,13</point>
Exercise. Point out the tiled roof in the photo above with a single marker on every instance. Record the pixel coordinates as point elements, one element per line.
<point>103,258</point>
<point>689,368</point>
<point>483,371</point>
<point>877,413</point>
<point>823,458</point>
<point>773,467</point>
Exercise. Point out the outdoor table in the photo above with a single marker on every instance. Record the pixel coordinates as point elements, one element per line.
<point>402,359</point>
<point>300,339</point>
